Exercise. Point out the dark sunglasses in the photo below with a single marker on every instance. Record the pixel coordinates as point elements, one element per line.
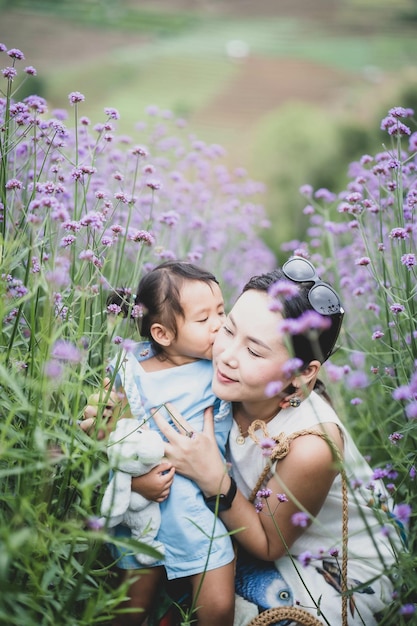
<point>321,296</point>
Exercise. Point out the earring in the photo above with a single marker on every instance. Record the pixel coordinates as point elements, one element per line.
<point>295,402</point>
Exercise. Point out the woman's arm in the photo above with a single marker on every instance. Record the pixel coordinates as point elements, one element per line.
<point>305,476</point>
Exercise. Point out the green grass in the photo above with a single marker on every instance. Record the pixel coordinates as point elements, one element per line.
<point>185,71</point>
<point>180,84</point>
<point>111,14</point>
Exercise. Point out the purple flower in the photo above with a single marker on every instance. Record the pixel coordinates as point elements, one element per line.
<point>154,184</point>
<point>267,446</point>
<point>395,437</point>
<point>357,380</point>
<point>365,260</point>
<point>264,493</point>
<point>300,519</point>
<point>30,71</point>
<point>401,112</point>
<point>310,320</point>
<point>335,372</point>
<point>283,288</point>
<point>53,369</point>
<point>14,53</point>
<point>409,260</point>
<point>143,236</point>
<point>411,410</point>
<point>36,103</point>
<point>379,473</point>
<point>407,609</point>
<point>378,334</point>
<point>282,497</point>
<point>114,309</point>
<point>95,523</point>
<point>401,393</point>
<point>273,388</point>
<point>291,367</point>
<point>113,114</point>
<point>66,351</point>
<point>397,308</point>
<point>399,233</point>
<point>14,184</point>
<point>385,531</point>
<point>76,96</point>
<point>306,190</point>
<point>399,129</point>
<point>325,195</point>
<point>9,73</point>
<point>402,512</point>
<point>128,345</point>
<point>305,558</point>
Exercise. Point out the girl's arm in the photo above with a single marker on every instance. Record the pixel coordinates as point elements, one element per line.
<point>305,476</point>
<point>156,484</point>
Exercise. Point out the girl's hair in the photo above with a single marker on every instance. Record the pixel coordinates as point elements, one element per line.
<point>159,296</point>
<point>292,308</point>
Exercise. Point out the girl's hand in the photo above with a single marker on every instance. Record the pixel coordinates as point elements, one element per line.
<point>102,411</point>
<point>156,484</point>
<point>193,454</point>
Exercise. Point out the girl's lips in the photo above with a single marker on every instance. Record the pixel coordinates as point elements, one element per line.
<point>222,378</point>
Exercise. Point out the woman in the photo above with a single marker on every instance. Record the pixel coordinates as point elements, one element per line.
<point>297,522</point>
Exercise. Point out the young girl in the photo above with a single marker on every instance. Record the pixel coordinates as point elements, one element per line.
<point>182,310</point>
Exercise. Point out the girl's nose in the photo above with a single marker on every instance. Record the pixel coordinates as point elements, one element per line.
<point>217,322</point>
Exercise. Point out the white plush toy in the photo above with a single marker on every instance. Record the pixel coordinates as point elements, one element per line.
<point>132,451</point>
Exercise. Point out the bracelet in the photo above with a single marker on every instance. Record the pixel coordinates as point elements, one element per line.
<point>222,501</point>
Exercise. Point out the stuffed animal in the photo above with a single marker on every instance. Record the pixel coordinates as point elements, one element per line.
<point>132,451</point>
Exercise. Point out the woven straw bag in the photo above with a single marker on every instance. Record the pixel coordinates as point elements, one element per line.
<point>294,613</point>
<point>281,449</point>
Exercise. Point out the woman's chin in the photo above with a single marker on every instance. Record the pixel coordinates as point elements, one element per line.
<point>225,390</point>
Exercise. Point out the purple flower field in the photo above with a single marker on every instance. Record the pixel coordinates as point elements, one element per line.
<point>84,211</point>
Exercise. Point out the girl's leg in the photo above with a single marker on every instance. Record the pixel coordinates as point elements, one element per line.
<point>141,594</point>
<point>215,602</point>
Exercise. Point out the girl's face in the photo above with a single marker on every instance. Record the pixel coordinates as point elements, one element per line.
<point>204,314</point>
<point>249,351</point>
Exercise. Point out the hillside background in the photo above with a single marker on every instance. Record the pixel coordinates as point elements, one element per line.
<point>293,89</point>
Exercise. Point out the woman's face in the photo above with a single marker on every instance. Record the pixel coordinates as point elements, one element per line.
<point>248,351</point>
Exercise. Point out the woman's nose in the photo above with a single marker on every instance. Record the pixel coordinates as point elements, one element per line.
<point>228,356</point>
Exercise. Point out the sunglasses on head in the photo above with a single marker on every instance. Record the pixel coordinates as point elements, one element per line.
<point>321,296</point>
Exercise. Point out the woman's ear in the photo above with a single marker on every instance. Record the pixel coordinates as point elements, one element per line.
<point>308,377</point>
<point>162,335</point>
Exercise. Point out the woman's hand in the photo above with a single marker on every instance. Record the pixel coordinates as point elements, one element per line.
<point>102,411</point>
<point>156,484</point>
<point>194,455</point>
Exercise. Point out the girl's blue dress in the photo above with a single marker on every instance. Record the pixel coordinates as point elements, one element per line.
<point>195,540</point>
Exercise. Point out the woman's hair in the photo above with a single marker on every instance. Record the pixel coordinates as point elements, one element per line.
<point>292,308</point>
<point>159,296</point>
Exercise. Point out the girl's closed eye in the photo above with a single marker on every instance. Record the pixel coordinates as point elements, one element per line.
<point>255,354</point>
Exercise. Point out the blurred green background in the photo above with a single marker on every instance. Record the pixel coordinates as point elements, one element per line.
<point>293,89</point>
